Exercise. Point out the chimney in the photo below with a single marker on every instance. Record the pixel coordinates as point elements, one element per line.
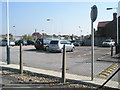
<point>114,16</point>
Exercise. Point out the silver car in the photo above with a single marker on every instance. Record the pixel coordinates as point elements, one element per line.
<point>57,46</point>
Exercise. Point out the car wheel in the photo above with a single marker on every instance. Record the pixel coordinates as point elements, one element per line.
<point>72,49</point>
<point>46,48</point>
<point>61,50</point>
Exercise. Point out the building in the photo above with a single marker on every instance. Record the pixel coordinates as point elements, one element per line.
<point>36,34</point>
<point>107,30</point>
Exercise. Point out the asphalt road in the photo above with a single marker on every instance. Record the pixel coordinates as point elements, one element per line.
<point>78,62</point>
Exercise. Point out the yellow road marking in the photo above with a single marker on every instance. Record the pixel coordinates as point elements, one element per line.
<point>108,71</point>
<point>112,68</point>
<point>105,73</point>
<point>101,75</point>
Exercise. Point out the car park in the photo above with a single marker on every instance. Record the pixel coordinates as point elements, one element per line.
<point>108,42</point>
<point>57,46</point>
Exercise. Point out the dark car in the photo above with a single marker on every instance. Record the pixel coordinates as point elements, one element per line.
<point>24,42</point>
<point>42,44</point>
<point>30,42</point>
<point>78,43</point>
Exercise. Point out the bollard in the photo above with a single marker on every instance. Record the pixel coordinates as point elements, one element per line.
<point>21,61</point>
<point>8,54</point>
<point>64,65</point>
<point>111,50</point>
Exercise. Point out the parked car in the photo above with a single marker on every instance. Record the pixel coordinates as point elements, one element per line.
<point>4,43</point>
<point>57,46</point>
<point>12,43</point>
<point>24,42</point>
<point>78,43</point>
<point>108,42</point>
<point>30,42</point>
<point>42,44</point>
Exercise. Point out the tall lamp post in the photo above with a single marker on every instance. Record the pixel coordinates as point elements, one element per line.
<point>7,21</point>
<point>117,39</point>
<point>80,33</point>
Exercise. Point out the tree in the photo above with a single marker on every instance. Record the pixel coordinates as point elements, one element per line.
<point>25,37</point>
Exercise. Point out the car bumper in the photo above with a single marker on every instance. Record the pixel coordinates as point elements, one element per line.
<point>54,49</point>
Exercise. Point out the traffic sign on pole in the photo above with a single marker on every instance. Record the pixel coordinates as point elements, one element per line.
<point>94,13</point>
<point>118,10</point>
<point>93,18</point>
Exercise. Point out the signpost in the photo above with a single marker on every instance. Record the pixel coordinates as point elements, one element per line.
<point>118,10</point>
<point>93,18</point>
<point>118,14</point>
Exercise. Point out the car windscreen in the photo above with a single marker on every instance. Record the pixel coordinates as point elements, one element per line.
<point>107,41</point>
<point>54,42</point>
<point>47,41</point>
<point>64,42</point>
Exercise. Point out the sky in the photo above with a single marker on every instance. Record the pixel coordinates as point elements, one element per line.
<point>65,17</point>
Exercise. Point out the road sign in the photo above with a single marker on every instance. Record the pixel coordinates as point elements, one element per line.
<point>118,11</point>
<point>94,12</point>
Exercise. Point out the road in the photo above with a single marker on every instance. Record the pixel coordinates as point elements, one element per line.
<point>78,62</point>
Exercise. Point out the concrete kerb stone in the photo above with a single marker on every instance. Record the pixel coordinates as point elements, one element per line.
<point>71,77</point>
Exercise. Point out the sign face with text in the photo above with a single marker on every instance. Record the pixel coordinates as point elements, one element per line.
<point>118,9</point>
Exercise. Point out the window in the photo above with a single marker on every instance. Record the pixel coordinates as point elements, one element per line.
<point>54,42</point>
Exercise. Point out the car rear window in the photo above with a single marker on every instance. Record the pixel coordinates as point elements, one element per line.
<point>64,42</point>
<point>54,42</point>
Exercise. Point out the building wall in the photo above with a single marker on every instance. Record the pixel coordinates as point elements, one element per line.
<point>107,32</point>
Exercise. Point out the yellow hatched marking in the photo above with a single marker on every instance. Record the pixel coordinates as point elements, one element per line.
<point>105,73</point>
<point>112,68</point>
<point>115,66</point>
<point>108,71</point>
<point>101,75</point>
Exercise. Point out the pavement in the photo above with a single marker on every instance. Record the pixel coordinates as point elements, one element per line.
<point>84,79</point>
<point>108,58</point>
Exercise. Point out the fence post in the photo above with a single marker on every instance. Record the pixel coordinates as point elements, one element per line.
<point>21,61</point>
<point>64,65</point>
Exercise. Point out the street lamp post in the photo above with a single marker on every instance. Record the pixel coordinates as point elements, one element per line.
<point>80,33</point>
<point>117,39</point>
<point>7,21</point>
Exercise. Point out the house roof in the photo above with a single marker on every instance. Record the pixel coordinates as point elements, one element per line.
<point>36,34</point>
<point>103,24</point>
